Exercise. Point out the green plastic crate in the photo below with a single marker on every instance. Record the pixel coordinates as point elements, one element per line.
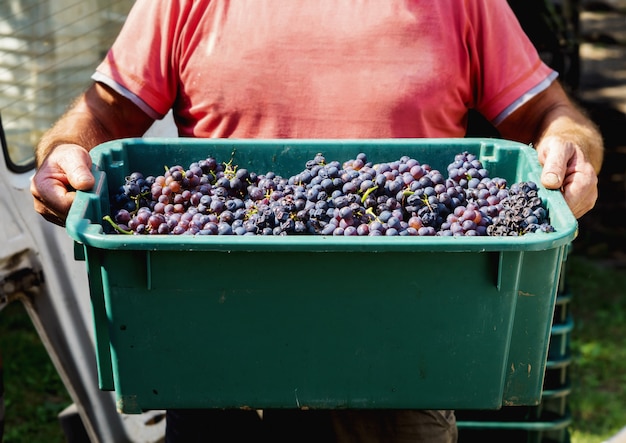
<point>314,321</point>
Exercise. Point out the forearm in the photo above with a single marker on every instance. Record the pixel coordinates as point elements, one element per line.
<point>569,145</point>
<point>75,127</point>
<point>553,114</point>
<point>99,115</point>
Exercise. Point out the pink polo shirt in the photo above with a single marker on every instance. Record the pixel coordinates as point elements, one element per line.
<point>324,68</point>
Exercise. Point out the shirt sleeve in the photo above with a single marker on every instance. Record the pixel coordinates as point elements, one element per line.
<point>506,68</point>
<point>141,64</point>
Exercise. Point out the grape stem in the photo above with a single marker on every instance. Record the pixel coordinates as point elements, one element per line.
<point>367,193</point>
<point>136,199</point>
<point>116,226</point>
<point>229,169</point>
<point>371,212</point>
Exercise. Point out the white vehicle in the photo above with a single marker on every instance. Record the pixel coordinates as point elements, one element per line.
<point>48,51</point>
<point>37,268</point>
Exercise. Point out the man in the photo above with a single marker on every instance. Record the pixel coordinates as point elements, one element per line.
<point>324,69</point>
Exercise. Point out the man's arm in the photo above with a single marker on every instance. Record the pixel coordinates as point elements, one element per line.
<point>568,144</point>
<point>99,115</point>
<point>63,162</point>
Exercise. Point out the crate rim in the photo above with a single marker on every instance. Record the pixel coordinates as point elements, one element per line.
<point>84,231</point>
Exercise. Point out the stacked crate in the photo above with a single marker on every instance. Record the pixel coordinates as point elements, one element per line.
<point>547,422</point>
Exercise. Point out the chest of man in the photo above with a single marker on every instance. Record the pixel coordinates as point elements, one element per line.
<point>309,69</point>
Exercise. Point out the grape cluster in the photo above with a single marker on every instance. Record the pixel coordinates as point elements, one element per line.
<point>522,212</point>
<point>354,198</point>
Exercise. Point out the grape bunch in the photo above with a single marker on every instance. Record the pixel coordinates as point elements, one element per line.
<point>522,212</point>
<point>355,198</point>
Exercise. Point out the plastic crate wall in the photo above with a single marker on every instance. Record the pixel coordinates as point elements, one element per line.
<point>547,422</point>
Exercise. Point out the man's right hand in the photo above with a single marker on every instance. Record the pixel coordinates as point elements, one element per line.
<point>66,169</point>
<point>99,115</point>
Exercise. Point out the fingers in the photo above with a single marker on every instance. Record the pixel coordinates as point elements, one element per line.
<point>51,198</point>
<point>66,169</point>
<point>580,191</point>
<point>77,166</point>
<point>555,155</point>
<point>565,167</point>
